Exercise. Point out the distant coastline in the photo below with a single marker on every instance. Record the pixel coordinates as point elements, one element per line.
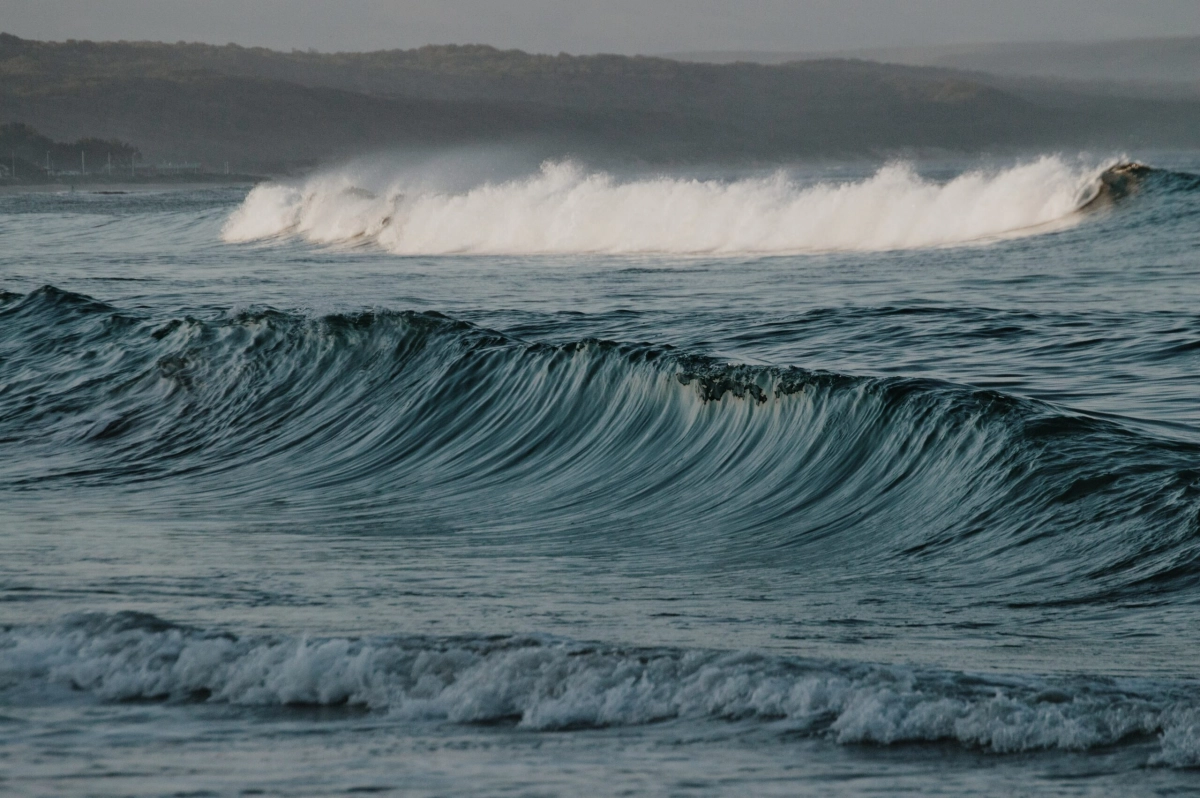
<point>127,185</point>
<point>23,148</point>
<point>1165,60</point>
<point>268,112</point>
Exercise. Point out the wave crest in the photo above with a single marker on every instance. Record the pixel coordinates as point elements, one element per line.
<point>545,683</point>
<point>565,209</point>
<point>354,416</point>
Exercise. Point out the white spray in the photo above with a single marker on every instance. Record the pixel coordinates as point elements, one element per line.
<point>564,209</point>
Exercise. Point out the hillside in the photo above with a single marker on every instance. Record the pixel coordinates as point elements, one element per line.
<point>1168,67</point>
<point>263,109</point>
<point>1172,63</point>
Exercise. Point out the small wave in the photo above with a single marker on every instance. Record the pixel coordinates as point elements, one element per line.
<point>543,683</point>
<point>565,209</point>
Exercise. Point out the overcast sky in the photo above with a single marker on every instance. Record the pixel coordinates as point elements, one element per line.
<point>589,26</point>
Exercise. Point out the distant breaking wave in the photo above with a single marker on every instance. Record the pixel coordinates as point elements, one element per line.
<point>565,209</point>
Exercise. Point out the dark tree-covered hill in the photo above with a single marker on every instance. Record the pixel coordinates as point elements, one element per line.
<point>257,107</point>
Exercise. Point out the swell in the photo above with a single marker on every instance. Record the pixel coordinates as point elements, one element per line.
<point>415,423</point>
<point>565,209</point>
<point>543,683</point>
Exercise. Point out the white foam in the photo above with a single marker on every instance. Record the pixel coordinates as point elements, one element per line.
<point>547,684</point>
<point>564,209</point>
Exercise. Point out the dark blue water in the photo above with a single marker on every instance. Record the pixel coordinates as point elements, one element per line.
<point>818,482</point>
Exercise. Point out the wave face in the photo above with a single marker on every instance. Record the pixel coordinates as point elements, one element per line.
<point>546,684</point>
<point>565,209</point>
<point>591,444</point>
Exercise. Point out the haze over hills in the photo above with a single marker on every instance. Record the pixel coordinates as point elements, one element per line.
<point>268,110</point>
<point>1162,66</point>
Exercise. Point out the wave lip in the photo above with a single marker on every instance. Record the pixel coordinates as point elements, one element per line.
<point>565,209</point>
<point>354,416</point>
<point>544,683</point>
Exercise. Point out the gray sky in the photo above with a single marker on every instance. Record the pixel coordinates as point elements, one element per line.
<point>588,26</point>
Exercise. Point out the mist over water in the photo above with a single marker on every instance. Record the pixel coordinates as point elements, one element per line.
<point>460,476</point>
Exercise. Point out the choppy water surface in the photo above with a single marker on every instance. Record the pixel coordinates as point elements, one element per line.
<point>803,482</point>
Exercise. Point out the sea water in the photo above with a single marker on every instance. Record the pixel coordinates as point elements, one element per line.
<point>451,477</point>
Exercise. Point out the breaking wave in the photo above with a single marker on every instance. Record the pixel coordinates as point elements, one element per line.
<point>566,209</point>
<point>362,419</point>
<point>544,683</point>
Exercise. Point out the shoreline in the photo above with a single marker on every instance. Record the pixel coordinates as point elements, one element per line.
<point>127,187</point>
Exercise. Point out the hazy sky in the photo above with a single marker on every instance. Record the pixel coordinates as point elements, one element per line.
<point>587,26</point>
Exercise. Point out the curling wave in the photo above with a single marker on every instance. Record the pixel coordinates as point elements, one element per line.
<point>545,683</point>
<point>363,419</point>
<point>565,209</point>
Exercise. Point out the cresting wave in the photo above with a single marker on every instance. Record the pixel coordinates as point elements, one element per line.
<point>564,209</point>
<point>362,419</point>
<point>547,684</point>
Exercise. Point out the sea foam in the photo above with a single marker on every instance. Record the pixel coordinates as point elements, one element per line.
<point>546,683</point>
<point>565,209</point>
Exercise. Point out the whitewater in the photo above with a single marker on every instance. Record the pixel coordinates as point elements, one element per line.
<point>469,476</point>
<point>565,208</point>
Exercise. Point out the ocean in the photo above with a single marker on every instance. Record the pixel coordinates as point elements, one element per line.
<point>465,475</point>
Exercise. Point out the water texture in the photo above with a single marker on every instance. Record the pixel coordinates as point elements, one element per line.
<point>827,479</point>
